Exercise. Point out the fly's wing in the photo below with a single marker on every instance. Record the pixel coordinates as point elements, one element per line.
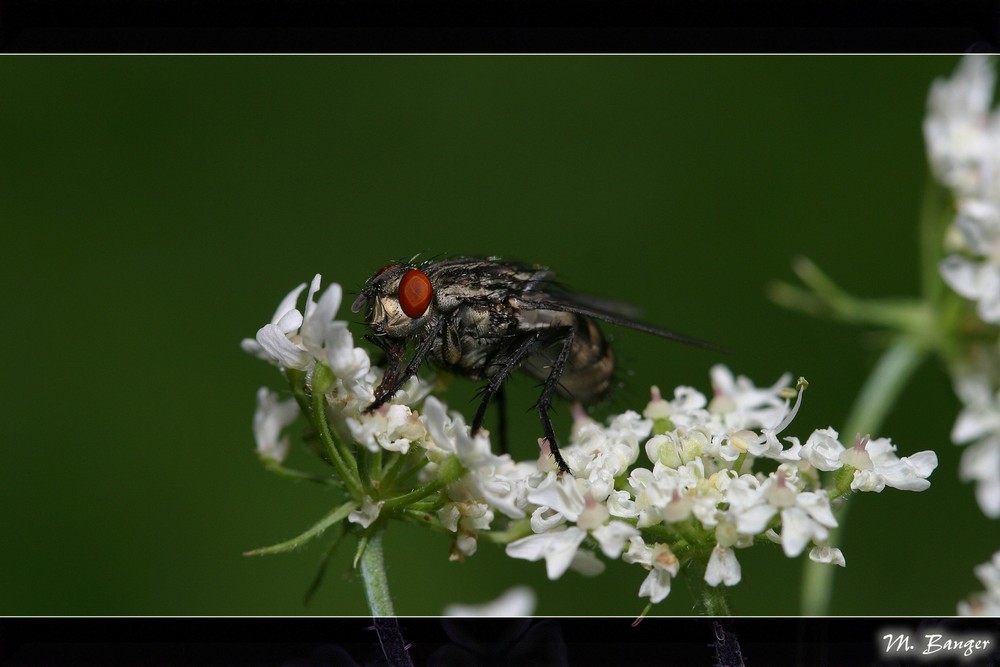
<point>607,310</point>
<point>610,307</point>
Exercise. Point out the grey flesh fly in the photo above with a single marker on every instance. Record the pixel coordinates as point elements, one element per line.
<point>483,319</point>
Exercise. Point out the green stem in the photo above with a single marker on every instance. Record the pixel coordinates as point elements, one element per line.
<point>375,466</point>
<point>373,574</point>
<point>348,474</point>
<point>290,473</point>
<point>399,462</point>
<point>336,515</point>
<point>825,298</point>
<point>450,470</point>
<point>713,599</point>
<point>515,531</point>
<point>880,392</point>
<point>883,386</point>
<point>933,222</point>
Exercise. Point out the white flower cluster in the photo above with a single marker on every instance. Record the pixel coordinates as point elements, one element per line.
<point>698,487</point>
<point>978,424</point>
<point>963,142</point>
<point>986,603</point>
<point>296,340</point>
<point>694,495</point>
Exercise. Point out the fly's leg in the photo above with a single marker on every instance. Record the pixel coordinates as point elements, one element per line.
<point>495,385</point>
<point>502,410</point>
<point>545,400</point>
<point>392,357</point>
<point>393,380</point>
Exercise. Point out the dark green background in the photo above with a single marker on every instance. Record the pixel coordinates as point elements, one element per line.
<point>157,209</point>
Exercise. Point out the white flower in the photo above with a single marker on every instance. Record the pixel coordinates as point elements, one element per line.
<point>469,514</point>
<point>563,499</point>
<point>975,386</point>
<point>823,449</point>
<point>612,537</point>
<point>749,510</point>
<point>657,408</point>
<point>742,405</point>
<point>809,519</point>
<point>391,427</point>
<point>465,519</point>
<point>723,568</point>
<point>981,464</point>
<point>959,129</point>
<point>827,554</point>
<point>561,494</point>
<point>273,341</point>
<point>296,340</point>
<point>875,462</point>
<point>878,466</point>
<point>517,601</point>
<point>450,435</point>
<point>687,408</point>
<point>986,603</point>
<point>600,454</point>
<point>978,423</point>
<point>805,515</point>
<point>977,277</point>
<point>668,494</point>
<point>963,143</point>
<point>367,514</point>
<point>328,339</point>
<point>497,480</point>
<point>558,547</point>
<point>661,563</point>
<point>270,418</point>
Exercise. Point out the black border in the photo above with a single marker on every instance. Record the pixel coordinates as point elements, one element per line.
<point>311,641</point>
<point>501,26</point>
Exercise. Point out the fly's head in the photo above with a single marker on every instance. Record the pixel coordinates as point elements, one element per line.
<point>397,300</point>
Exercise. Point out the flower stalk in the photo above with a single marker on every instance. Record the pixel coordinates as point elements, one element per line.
<point>373,573</point>
<point>345,464</point>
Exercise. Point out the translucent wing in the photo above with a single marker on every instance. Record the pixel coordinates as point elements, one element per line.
<point>607,310</point>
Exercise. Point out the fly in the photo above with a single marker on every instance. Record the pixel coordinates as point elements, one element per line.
<point>485,318</point>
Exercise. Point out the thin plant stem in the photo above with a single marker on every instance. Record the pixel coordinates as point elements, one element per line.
<point>374,576</point>
<point>335,516</point>
<point>348,474</point>
<point>298,475</point>
<point>713,599</point>
<point>451,470</point>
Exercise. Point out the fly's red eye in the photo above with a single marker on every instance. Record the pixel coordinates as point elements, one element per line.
<point>415,292</point>
<point>383,270</point>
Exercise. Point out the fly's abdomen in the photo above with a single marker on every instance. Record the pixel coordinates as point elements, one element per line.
<point>589,371</point>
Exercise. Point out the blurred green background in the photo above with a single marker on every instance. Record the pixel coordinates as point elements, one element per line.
<point>158,208</point>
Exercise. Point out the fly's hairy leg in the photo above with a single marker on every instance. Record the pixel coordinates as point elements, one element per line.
<point>393,353</point>
<point>393,380</point>
<point>502,411</point>
<point>545,400</point>
<point>528,345</point>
